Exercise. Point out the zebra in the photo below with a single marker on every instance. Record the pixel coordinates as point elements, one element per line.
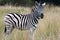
<point>24,22</point>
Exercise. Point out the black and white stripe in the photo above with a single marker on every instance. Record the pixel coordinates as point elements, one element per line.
<point>23,22</point>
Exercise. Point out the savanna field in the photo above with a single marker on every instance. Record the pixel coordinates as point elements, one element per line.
<point>47,29</point>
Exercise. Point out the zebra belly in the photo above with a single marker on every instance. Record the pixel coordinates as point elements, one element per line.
<point>24,28</point>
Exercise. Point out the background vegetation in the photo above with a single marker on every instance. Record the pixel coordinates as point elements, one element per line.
<point>47,29</point>
<point>28,2</point>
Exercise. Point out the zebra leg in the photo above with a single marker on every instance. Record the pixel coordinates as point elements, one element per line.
<point>8,30</point>
<point>31,34</point>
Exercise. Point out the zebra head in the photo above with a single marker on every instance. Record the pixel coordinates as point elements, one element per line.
<point>39,8</point>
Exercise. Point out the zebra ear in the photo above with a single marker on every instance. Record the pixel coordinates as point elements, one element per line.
<point>43,4</point>
<point>36,3</point>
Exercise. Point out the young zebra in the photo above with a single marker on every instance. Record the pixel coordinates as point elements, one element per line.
<point>24,22</point>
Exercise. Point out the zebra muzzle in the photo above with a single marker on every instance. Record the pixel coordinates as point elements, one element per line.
<point>42,15</point>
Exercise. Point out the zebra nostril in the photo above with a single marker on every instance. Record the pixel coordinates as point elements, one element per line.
<point>42,15</point>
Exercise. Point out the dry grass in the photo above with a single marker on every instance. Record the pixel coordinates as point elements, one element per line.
<point>48,28</point>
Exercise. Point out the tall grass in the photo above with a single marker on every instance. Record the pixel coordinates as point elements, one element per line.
<point>47,29</point>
